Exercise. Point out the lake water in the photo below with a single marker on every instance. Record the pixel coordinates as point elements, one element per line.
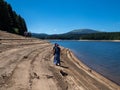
<point>103,57</point>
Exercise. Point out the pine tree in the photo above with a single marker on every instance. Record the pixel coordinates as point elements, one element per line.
<point>10,21</point>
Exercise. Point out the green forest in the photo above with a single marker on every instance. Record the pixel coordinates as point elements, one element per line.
<point>92,36</point>
<point>102,36</point>
<point>10,21</point>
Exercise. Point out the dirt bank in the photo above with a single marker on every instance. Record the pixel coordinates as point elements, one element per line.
<point>27,64</point>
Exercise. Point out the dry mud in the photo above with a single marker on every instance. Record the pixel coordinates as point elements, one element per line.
<point>27,64</point>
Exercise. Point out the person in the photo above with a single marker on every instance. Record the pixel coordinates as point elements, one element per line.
<point>56,53</point>
<point>25,33</point>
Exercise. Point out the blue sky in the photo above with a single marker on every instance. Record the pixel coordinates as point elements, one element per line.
<point>60,16</point>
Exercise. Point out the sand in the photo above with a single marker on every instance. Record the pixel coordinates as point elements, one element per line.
<point>27,64</point>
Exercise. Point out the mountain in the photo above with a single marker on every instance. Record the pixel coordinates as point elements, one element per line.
<point>83,31</point>
<point>74,34</point>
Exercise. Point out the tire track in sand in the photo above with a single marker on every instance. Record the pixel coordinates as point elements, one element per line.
<point>24,58</point>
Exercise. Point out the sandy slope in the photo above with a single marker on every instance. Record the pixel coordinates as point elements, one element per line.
<point>27,64</point>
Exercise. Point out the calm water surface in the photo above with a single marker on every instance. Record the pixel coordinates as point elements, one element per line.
<point>103,57</point>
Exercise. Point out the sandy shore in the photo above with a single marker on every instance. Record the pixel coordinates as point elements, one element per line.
<point>102,40</point>
<point>27,64</point>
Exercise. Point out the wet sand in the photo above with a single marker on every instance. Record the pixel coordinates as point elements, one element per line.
<point>27,64</point>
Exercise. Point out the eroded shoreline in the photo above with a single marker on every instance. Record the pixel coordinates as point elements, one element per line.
<point>90,71</point>
<point>27,64</point>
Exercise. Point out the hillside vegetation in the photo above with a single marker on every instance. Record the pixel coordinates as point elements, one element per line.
<point>27,64</point>
<point>82,34</point>
<point>10,21</point>
<point>102,36</point>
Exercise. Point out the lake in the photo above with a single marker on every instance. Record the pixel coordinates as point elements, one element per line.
<point>101,56</point>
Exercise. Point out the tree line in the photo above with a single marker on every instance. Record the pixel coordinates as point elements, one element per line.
<point>93,36</point>
<point>102,36</point>
<point>10,21</point>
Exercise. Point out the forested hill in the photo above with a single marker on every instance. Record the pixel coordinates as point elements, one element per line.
<point>10,21</point>
<point>83,31</point>
<point>81,35</point>
<point>102,36</point>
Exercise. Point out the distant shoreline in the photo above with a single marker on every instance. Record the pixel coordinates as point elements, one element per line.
<point>28,64</point>
<point>102,40</point>
<point>89,42</point>
<point>85,40</point>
